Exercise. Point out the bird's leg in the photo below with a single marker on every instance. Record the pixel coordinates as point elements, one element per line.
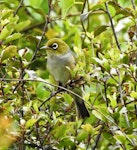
<point>60,84</point>
<point>76,82</point>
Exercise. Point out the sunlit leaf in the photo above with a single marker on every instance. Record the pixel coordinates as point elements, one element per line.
<point>6,31</point>
<point>87,127</point>
<point>6,13</point>
<point>30,123</point>
<point>133,94</point>
<point>120,138</point>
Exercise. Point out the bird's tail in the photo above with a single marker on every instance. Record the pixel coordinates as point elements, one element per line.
<point>81,109</point>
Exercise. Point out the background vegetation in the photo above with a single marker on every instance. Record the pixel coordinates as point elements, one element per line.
<point>103,35</point>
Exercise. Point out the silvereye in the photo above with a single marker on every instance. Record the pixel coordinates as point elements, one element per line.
<point>59,59</point>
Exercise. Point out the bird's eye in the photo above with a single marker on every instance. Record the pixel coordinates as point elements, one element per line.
<point>54,46</point>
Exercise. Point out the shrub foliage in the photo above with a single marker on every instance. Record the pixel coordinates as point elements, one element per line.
<point>34,114</point>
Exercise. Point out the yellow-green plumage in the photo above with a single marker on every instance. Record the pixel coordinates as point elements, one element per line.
<point>59,59</point>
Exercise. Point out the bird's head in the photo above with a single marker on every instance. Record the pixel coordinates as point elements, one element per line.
<point>56,46</point>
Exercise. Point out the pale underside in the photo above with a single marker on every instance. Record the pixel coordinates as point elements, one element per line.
<point>59,65</point>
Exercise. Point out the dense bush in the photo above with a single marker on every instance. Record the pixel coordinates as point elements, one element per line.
<point>33,114</point>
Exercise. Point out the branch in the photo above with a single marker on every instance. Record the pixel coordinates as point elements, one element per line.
<point>134,7</point>
<point>69,91</point>
<point>20,5</point>
<point>84,4</point>
<point>51,95</point>
<point>112,26</point>
<point>43,81</point>
<point>98,137</point>
<point>38,45</point>
<point>121,97</point>
<point>105,90</point>
<point>43,33</point>
<point>133,4</point>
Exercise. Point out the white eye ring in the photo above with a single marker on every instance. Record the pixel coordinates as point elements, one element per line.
<point>54,46</point>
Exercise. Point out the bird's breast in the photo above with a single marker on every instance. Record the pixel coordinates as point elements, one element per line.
<point>58,67</point>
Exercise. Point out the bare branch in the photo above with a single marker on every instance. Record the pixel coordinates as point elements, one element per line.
<point>133,4</point>
<point>44,30</point>
<point>38,45</point>
<point>112,26</point>
<point>18,8</point>
<point>98,137</point>
<point>82,23</point>
<point>121,97</point>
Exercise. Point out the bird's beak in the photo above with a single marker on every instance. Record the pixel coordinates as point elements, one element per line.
<point>45,47</point>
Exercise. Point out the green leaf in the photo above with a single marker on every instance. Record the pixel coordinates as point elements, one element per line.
<point>65,6</point>
<point>6,13</point>
<point>100,29</point>
<point>68,98</point>
<point>82,135</point>
<point>112,10</point>
<point>99,5</point>
<point>60,131</point>
<point>13,37</point>
<point>6,31</point>
<point>35,106</point>
<point>113,100</point>
<point>9,52</point>
<point>66,142</point>
<point>41,91</point>
<point>133,94</point>
<point>120,138</point>
<point>22,25</point>
<point>36,11</point>
<point>30,123</point>
<point>87,128</point>
<point>98,115</point>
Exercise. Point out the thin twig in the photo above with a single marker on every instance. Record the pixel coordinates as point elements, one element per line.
<point>134,7</point>
<point>82,23</point>
<point>112,26</point>
<point>69,91</point>
<point>98,137</point>
<point>105,90</point>
<point>43,81</point>
<point>20,5</point>
<point>22,85</point>
<point>38,45</point>
<point>121,97</point>
<point>44,30</point>
<point>51,95</point>
<point>133,4</point>
<point>84,4</point>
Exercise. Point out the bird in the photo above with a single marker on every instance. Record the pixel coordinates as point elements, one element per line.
<point>60,60</point>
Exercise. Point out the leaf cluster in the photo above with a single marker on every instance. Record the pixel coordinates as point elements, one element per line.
<point>34,114</point>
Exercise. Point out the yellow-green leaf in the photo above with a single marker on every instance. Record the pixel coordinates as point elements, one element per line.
<point>87,127</point>
<point>120,138</point>
<point>9,52</point>
<point>13,37</point>
<point>133,94</point>
<point>30,123</point>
